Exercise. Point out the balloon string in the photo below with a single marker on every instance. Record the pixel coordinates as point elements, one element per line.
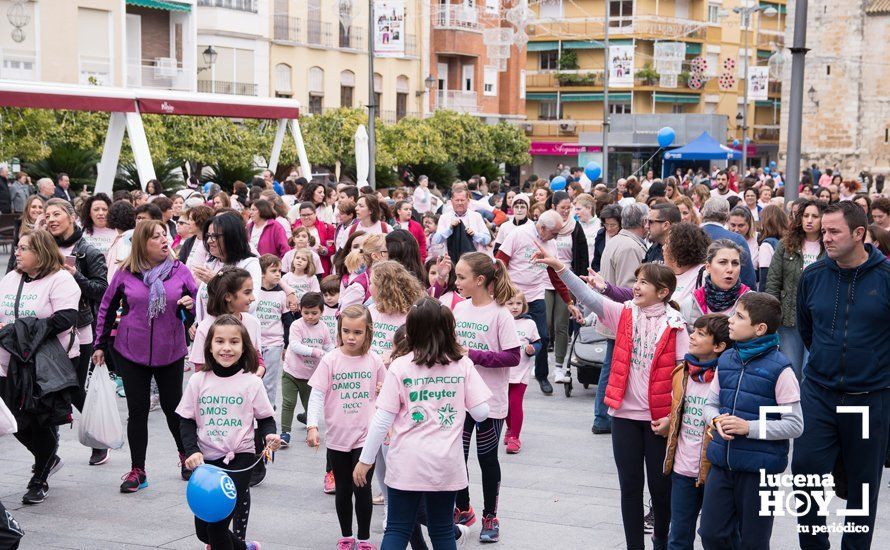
<point>262,455</point>
<point>638,170</point>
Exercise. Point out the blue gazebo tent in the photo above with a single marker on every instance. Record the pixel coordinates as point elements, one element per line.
<point>704,147</point>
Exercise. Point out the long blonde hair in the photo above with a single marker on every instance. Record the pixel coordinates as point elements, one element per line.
<point>137,261</point>
<point>28,224</point>
<point>395,288</point>
<point>372,244</point>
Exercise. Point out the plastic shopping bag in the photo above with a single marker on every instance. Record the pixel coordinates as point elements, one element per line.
<point>100,424</point>
<point>8,425</point>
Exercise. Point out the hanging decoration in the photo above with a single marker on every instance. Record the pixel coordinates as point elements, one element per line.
<point>698,69</point>
<point>18,17</point>
<point>726,80</point>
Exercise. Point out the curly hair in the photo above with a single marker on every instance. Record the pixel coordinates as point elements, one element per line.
<point>793,239</point>
<point>85,219</point>
<point>122,216</point>
<point>395,288</point>
<point>692,243</point>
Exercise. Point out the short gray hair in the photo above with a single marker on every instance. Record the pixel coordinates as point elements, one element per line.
<point>45,183</point>
<point>550,219</point>
<point>716,209</point>
<point>633,215</point>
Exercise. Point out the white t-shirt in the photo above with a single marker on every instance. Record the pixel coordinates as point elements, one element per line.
<point>421,199</point>
<point>527,331</point>
<point>810,250</point>
<point>250,264</point>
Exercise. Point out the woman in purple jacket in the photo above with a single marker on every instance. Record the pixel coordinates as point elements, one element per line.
<point>156,294</point>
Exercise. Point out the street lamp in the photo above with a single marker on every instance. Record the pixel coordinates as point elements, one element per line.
<point>209,56</point>
<point>428,84</point>
<point>745,14</point>
<point>811,93</point>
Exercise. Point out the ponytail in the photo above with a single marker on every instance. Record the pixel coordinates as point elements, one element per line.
<point>495,274</point>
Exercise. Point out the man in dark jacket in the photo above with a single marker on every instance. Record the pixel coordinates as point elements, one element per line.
<point>659,220</point>
<point>715,214</point>
<point>842,305</point>
<point>63,189</point>
<point>5,196</point>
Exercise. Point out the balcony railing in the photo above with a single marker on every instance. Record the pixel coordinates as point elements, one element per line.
<point>564,79</point>
<point>355,40</point>
<point>460,101</point>
<point>411,46</point>
<point>163,72</point>
<point>766,132</point>
<point>649,27</point>
<point>456,16</point>
<point>94,70</point>
<point>286,29</point>
<point>770,40</point>
<point>240,5</point>
<point>319,33</point>
<point>18,65</point>
<point>225,87</point>
<point>550,128</point>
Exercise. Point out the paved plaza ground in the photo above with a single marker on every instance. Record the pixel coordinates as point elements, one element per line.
<point>560,492</point>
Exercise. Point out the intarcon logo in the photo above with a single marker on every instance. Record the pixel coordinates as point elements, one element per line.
<point>799,495</point>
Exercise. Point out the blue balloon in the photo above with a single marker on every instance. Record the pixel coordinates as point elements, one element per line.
<point>735,143</point>
<point>772,164</point>
<point>766,170</point>
<point>211,493</point>
<point>558,183</point>
<point>666,136</point>
<point>593,171</point>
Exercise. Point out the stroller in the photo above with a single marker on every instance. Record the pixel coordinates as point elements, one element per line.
<point>586,353</point>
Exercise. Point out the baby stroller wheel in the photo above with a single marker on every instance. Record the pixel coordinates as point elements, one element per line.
<point>568,387</point>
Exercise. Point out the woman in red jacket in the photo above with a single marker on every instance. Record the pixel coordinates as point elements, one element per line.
<point>324,234</point>
<point>404,221</point>
<point>650,340</point>
<point>266,235</point>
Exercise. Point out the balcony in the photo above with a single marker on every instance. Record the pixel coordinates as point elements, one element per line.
<point>551,128</point>
<point>456,17</point>
<point>163,72</point>
<point>766,133</point>
<point>354,40</point>
<point>18,65</point>
<point>319,33</point>
<point>646,27</point>
<point>94,70</point>
<point>460,101</point>
<point>286,29</point>
<point>770,40</point>
<point>224,87</point>
<point>564,79</point>
<point>239,5</point>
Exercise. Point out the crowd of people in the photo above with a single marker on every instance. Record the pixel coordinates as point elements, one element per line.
<point>393,324</point>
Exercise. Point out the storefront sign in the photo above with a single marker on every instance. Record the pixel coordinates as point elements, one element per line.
<point>542,148</point>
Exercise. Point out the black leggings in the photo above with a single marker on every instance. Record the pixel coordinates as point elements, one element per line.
<point>82,369</point>
<point>342,464</point>
<point>137,385</point>
<point>218,535</point>
<point>41,441</point>
<point>635,444</point>
<point>488,435</point>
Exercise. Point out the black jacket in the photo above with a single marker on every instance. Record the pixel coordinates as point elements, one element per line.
<point>5,197</point>
<point>92,278</point>
<point>654,254</point>
<point>580,256</point>
<point>599,244</point>
<point>459,242</point>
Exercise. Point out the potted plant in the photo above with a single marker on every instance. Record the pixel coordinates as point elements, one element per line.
<point>648,75</point>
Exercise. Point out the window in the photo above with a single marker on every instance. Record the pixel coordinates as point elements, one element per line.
<point>316,90</point>
<point>547,110</point>
<point>549,60</point>
<point>345,22</point>
<point>713,59</point>
<point>378,92</point>
<point>283,80</point>
<point>620,12</point>
<point>619,108</point>
<point>713,13</point>
<point>491,6</point>
<point>551,9</point>
<point>677,108</point>
<point>490,81</point>
<point>402,90</point>
<point>347,88</point>
<point>94,52</point>
<point>315,102</point>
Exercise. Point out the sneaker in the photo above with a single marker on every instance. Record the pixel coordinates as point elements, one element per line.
<point>378,500</point>
<point>507,436</point>
<point>491,529</point>
<point>463,535</point>
<point>301,418</point>
<point>649,522</point>
<point>464,517</point>
<point>252,545</point>
<point>329,485</point>
<point>119,382</point>
<point>346,543</point>
<point>56,465</point>
<point>183,471</point>
<point>559,375</point>
<point>597,430</point>
<point>37,491</point>
<point>365,545</point>
<point>285,440</point>
<point>258,474</point>
<point>513,446</point>
<point>99,456</point>
<point>154,403</point>
<point>134,480</point>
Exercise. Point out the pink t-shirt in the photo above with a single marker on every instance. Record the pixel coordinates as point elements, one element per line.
<point>430,404</point>
<point>376,228</point>
<point>329,318</point>
<point>251,323</point>
<point>224,410</point>
<point>301,284</point>
<point>564,248</point>
<point>385,327</point>
<point>101,238</point>
<point>811,250</point>
<point>531,278</point>
<point>40,298</point>
<point>288,261</point>
<point>488,328</point>
<point>687,459</point>
<point>451,299</point>
<point>350,389</point>
<point>270,306</point>
<point>527,331</point>
<point>315,336</point>
<point>686,283</point>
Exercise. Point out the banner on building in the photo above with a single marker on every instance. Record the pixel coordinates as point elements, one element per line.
<point>758,83</point>
<point>621,66</point>
<point>389,28</point>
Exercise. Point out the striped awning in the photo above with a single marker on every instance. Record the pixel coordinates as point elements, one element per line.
<point>877,7</point>
<point>583,45</point>
<point>595,97</point>
<point>168,5</point>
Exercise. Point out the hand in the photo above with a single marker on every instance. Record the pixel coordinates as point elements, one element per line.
<point>454,222</point>
<point>194,461</point>
<point>717,422</point>
<point>470,232</point>
<point>541,257</point>
<point>260,371</point>
<point>192,330</point>
<point>661,426</point>
<point>529,349</point>
<point>360,474</point>
<point>202,273</point>
<point>595,281</point>
<point>733,425</point>
<point>317,353</point>
<point>443,267</point>
<point>292,303</point>
<point>576,314</point>
<point>69,268</point>
<point>98,357</point>
<point>187,302</point>
<point>312,438</point>
<point>379,386</point>
<point>273,441</point>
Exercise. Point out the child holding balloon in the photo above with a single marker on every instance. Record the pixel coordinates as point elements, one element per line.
<point>218,409</point>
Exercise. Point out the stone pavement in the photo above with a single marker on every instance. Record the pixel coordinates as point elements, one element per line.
<point>560,492</point>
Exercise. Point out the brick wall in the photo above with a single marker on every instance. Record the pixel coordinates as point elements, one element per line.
<point>155,32</point>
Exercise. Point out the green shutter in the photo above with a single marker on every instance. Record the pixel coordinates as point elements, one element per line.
<point>693,48</point>
<point>540,96</point>
<point>167,5</point>
<point>542,46</point>
<point>677,98</point>
<point>582,45</point>
<point>764,54</point>
<point>768,103</point>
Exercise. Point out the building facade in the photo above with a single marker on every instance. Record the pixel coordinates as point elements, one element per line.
<point>846,102</point>
<point>565,66</point>
<point>238,32</point>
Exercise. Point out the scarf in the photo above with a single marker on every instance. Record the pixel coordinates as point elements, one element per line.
<point>647,328</point>
<point>65,243</point>
<point>755,347</point>
<point>718,299</point>
<point>701,371</point>
<point>154,280</point>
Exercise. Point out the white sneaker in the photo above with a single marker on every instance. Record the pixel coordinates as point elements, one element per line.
<point>568,376</point>
<point>464,535</point>
<point>154,403</point>
<point>385,507</point>
<point>559,375</point>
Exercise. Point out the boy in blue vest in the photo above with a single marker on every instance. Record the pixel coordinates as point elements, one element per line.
<point>753,374</point>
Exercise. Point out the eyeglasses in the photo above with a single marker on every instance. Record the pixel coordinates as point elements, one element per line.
<point>210,237</point>
<point>650,222</point>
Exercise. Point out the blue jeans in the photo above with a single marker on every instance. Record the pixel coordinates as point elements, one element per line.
<point>402,512</point>
<point>601,418</point>
<point>686,501</point>
<point>730,511</point>
<point>537,310</point>
<point>791,344</point>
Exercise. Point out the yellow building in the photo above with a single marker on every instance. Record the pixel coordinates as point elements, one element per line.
<point>564,78</point>
<point>319,56</point>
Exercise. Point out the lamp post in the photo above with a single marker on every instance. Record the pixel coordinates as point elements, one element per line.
<point>372,99</point>
<point>209,56</point>
<point>745,13</point>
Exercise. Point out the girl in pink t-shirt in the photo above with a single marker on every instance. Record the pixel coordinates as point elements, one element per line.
<point>344,388</point>
<point>393,290</point>
<point>218,409</point>
<point>430,391</point>
<point>301,277</point>
<point>443,285</point>
<point>355,285</point>
<point>527,331</point>
<point>486,328</point>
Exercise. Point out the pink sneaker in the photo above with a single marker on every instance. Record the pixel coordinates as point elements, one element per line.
<point>365,545</point>
<point>346,543</point>
<point>513,446</point>
<point>329,485</point>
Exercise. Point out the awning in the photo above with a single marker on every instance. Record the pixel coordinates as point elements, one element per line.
<point>87,99</point>
<point>578,98</point>
<point>542,46</point>
<point>693,48</point>
<point>768,103</point>
<point>582,45</point>
<point>676,98</point>
<point>540,96</point>
<point>781,8</point>
<point>168,5</point>
<point>764,54</point>
<point>198,104</point>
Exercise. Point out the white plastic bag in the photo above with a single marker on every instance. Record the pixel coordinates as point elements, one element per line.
<point>100,424</point>
<point>8,425</point>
